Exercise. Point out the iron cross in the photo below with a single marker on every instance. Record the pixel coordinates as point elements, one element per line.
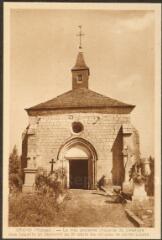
<point>52,163</point>
<point>80,36</point>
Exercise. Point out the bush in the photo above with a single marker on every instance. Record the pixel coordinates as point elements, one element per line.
<point>50,184</point>
<point>15,182</point>
<point>42,207</point>
<point>136,174</point>
<point>150,179</point>
<point>15,173</point>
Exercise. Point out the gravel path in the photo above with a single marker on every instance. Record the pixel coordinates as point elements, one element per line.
<point>87,209</point>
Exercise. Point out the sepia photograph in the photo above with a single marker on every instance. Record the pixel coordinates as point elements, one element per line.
<point>82,131</point>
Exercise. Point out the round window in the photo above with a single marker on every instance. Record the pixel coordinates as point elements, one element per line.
<point>77,127</point>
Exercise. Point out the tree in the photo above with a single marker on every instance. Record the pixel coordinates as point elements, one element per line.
<point>150,180</point>
<point>15,173</point>
<point>14,161</point>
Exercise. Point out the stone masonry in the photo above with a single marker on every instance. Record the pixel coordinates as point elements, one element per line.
<point>107,128</point>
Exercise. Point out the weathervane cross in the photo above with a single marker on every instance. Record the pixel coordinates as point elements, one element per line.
<point>80,36</point>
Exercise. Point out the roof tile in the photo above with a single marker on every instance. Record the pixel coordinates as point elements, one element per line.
<point>80,98</point>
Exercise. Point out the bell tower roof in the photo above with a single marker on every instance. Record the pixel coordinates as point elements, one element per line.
<point>80,62</point>
<point>81,98</point>
<point>80,71</point>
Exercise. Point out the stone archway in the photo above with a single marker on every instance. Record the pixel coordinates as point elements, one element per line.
<point>76,152</point>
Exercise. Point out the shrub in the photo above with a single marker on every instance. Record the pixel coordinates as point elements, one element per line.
<point>42,207</point>
<point>150,179</point>
<point>136,174</point>
<point>15,182</point>
<point>51,184</point>
<point>15,173</point>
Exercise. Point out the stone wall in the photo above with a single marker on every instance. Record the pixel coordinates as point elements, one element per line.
<point>47,133</point>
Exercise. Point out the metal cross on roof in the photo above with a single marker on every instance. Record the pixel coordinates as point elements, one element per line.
<point>80,36</point>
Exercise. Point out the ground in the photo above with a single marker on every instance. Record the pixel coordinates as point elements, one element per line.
<point>88,209</point>
<point>80,208</point>
<point>144,211</point>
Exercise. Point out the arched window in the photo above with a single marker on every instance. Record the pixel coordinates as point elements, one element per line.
<point>79,78</point>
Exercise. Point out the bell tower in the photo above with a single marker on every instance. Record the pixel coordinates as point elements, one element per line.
<point>80,72</point>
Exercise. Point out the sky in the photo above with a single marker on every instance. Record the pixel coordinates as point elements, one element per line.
<point>118,48</point>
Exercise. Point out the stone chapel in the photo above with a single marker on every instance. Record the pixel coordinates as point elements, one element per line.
<point>84,132</point>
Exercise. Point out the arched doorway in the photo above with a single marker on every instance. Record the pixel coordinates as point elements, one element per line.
<point>79,157</point>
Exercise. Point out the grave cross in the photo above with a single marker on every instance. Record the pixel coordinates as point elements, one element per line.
<point>80,36</point>
<point>52,163</point>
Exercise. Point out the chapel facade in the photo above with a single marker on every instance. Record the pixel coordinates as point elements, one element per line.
<point>83,132</point>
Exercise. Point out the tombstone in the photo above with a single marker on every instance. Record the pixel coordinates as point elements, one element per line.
<point>139,192</point>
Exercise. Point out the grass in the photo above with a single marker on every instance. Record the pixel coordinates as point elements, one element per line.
<point>145,211</point>
<point>80,208</point>
<point>33,210</point>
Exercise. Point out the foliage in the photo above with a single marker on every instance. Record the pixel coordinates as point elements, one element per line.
<point>52,183</point>
<point>136,174</point>
<point>33,210</point>
<point>39,208</point>
<point>14,161</point>
<point>150,179</point>
<point>15,173</point>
